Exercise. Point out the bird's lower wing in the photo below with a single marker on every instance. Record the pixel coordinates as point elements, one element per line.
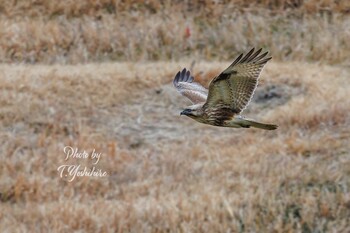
<point>183,82</point>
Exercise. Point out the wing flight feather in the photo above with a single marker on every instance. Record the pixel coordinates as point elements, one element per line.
<point>235,86</point>
<point>183,82</point>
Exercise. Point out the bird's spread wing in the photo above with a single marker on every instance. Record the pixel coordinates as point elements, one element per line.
<point>235,86</point>
<point>183,82</point>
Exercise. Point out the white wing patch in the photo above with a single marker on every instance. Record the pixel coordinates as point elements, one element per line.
<point>183,82</point>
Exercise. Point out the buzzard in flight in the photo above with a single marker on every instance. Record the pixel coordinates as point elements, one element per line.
<point>228,94</point>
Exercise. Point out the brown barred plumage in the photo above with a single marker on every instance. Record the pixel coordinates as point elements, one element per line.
<point>228,95</point>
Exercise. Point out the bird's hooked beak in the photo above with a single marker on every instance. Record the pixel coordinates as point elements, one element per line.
<point>186,112</point>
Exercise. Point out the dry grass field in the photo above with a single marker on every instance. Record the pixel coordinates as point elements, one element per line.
<point>166,172</point>
<point>71,32</point>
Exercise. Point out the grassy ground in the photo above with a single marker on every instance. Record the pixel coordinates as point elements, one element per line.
<point>167,173</point>
<point>71,32</point>
<point>96,76</point>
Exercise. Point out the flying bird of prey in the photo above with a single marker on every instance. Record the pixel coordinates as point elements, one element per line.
<point>228,94</point>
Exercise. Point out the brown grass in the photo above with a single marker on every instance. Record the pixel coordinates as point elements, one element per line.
<point>49,9</point>
<point>85,31</point>
<point>167,173</point>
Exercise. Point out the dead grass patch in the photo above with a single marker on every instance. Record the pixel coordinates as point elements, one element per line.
<point>68,32</point>
<point>165,172</point>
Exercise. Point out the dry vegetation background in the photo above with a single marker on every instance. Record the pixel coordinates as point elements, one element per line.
<point>97,75</point>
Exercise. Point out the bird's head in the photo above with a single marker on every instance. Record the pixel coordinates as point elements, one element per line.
<point>193,111</point>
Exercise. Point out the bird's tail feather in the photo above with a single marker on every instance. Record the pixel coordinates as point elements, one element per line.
<point>249,123</point>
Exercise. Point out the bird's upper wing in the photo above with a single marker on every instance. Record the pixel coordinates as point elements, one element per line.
<point>235,86</point>
<point>183,82</point>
